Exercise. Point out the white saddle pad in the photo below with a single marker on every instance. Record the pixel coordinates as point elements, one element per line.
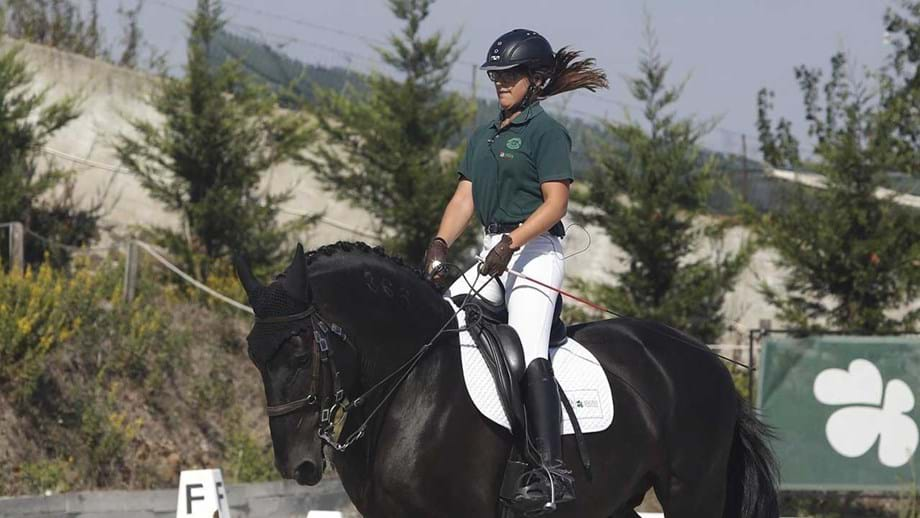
<point>579,373</point>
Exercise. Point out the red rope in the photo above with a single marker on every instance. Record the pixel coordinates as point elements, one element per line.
<point>563,292</point>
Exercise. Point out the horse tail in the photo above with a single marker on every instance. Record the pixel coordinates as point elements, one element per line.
<point>752,469</point>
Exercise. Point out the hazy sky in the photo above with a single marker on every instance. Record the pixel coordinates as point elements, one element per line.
<point>729,48</point>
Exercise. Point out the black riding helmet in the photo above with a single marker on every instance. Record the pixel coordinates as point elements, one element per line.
<point>519,47</point>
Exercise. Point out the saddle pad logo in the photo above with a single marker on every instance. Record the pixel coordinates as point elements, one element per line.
<point>513,143</point>
<point>585,403</point>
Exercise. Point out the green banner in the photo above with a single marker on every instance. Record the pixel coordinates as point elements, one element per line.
<point>844,408</point>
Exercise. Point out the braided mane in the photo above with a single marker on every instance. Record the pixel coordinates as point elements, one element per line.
<point>359,246</point>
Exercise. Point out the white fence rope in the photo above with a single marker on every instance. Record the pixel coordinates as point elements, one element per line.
<point>723,348</point>
<point>117,169</point>
<point>191,280</point>
<point>84,161</point>
<point>147,247</point>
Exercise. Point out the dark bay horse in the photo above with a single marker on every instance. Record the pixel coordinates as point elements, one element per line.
<point>346,318</point>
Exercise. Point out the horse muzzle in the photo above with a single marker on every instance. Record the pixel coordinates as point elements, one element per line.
<point>308,473</point>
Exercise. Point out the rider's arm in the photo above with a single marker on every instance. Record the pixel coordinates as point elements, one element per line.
<point>552,157</point>
<point>458,212</point>
<point>555,204</point>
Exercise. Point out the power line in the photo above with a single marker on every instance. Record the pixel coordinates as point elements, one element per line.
<point>286,38</point>
<point>464,83</point>
<point>298,21</point>
<point>367,39</point>
<point>376,61</point>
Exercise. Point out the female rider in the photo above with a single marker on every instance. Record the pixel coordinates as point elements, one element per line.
<point>515,176</point>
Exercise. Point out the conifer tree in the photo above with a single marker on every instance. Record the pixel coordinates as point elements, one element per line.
<point>220,133</point>
<point>385,150</point>
<point>850,256</point>
<point>900,84</point>
<point>57,23</point>
<point>27,121</point>
<point>131,39</point>
<point>648,191</point>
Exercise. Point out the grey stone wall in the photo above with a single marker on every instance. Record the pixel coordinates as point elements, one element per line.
<point>271,499</point>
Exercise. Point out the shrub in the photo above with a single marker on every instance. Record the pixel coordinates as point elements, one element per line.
<point>39,311</point>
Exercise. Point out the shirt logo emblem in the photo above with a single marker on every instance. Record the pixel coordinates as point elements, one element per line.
<point>513,143</point>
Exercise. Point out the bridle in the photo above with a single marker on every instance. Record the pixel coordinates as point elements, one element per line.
<point>332,404</point>
<point>323,359</point>
<point>322,352</point>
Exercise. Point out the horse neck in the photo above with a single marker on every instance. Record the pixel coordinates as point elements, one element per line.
<point>389,312</point>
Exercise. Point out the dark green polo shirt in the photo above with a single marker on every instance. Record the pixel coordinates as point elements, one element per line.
<point>507,166</point>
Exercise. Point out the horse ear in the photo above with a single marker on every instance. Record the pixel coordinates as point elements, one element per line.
<point>295,280</point>
<point>250,283</point>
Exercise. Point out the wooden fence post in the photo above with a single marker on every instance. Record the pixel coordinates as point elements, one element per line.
<point>131,271</point>
<point>17,248</point>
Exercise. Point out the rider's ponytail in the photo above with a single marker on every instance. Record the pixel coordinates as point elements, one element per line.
<point>568,74</point>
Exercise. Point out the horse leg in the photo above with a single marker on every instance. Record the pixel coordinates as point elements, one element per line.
<point>625,513</point>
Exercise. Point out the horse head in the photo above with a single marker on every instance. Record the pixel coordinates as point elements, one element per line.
<point>283,346</point>
<point>341,318</point>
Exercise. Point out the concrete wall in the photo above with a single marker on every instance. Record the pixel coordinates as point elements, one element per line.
<point>111,94</point>
<point>271,499</point>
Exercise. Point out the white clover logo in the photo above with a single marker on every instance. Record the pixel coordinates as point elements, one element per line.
<point>869,413</point>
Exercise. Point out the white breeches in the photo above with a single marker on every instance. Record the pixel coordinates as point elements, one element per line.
<point>530,306</point>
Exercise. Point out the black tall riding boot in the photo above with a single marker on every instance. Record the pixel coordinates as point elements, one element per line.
<point>543,486</point>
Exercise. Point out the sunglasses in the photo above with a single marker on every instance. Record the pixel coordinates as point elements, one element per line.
<point>509,76</point>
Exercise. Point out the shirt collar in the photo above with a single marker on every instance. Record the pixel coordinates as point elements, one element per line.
<point>529,113</point>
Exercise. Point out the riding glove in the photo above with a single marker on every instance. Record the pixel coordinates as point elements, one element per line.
<point>434,259</point>
<point>497,261</point>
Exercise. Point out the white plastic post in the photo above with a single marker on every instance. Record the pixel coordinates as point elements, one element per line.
<point>202,495</point>
<point>324,514</point>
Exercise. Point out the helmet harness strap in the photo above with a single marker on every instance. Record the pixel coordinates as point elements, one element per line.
<point>532,90</point>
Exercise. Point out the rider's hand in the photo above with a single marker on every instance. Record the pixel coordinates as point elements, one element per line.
<point>434,259</point>
<point>497,261</point>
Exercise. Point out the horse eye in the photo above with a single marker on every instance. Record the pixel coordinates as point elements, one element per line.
<point>300,353</point>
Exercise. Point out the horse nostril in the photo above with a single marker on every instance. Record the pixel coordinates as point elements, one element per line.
<point>306,474</point>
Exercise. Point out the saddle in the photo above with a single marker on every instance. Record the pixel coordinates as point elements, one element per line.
<point>503,353</point>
